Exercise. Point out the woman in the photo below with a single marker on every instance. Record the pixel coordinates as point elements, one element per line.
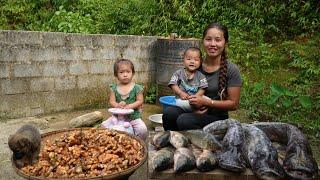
<point>224,82</point>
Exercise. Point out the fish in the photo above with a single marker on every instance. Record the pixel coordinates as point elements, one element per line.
<point>178,140</point>
<point>184,160</point>
<point>196,150</point>
<point>202,139</point>
<point>232,158</point>
<point>299,162</point>
<point>260,154</point>
<point>281,150</point>
<point>206,161</point>
<point>163,159</point>
<point>219,128</point>
<point>161,139</point>
<point>234,135</point>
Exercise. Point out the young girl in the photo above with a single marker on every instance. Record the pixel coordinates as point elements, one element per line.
<point>128,95</point>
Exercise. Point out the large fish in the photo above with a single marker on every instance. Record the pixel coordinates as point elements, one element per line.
<point>163,159</point>
<point>234,135</point>
<point>219,128</point>
<point>299,162</point>
<point>231,160</point>
<point>178,140</point>
<point>205,159</point>
<point>203,139</point>
<point>184,160</point>
<point>281,150</point>
<point>231,157</point>
<point>161,139</point>
<point>260,154</point>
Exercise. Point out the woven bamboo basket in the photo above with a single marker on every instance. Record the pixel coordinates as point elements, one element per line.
<point>56,134</point>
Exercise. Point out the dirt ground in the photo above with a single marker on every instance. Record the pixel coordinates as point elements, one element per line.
<point>53,122</point>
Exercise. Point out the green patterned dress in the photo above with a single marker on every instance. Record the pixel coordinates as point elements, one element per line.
<point>129,98</point>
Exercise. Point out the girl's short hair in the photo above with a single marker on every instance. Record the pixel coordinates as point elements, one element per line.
<point>122,61</point>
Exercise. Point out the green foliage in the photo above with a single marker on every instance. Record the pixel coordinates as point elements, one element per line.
<point>254,20</point>
<point>283,98</point>
<point>283,84</point>
<point>19,14</point>
<point>151,95</point>
<point>70,22</point>
<point>277,103</point>
<point>308,65</point>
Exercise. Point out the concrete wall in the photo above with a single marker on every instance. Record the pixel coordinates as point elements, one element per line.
<point>44,72</point>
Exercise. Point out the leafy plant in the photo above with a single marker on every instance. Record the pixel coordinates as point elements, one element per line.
<point>151,95</point>
<point>278,103</point>
<point>283,97</point>
<point>72,22</point>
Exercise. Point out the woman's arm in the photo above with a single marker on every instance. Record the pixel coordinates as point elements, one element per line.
<point>137,103</point>
<point>231,103</point>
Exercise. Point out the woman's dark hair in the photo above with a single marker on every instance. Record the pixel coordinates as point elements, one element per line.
<point>193,49</point>
<point>122,61</point>
<point>217,26</point>
<point>222,92</point>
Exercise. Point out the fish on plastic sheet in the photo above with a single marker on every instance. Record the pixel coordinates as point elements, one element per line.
<point>203,139</point>
<point>231,160</point>
<point>281,150</point>
<point>219,128</point>
<point>161,139</point>
<point>206,161</point>
<point>196,150</point>
<point>299,162</point>
<point>184,160</point>
<point>234,135</point>
<point>178,140</point>
<point>231,157</point>
<point>260,154</point>
<point>163,159</point>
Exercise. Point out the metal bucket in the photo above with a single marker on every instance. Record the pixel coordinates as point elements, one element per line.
<point>170,59</point>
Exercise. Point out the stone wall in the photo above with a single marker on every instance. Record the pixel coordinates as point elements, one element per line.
<point>45,72</point>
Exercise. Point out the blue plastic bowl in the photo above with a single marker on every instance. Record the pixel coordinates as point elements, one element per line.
<point>167,101</point>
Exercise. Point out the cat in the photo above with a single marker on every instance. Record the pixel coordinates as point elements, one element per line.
<point>25,145</point>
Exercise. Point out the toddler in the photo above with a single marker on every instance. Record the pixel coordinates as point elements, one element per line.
<point>188,80</point>
<point>126,94</point>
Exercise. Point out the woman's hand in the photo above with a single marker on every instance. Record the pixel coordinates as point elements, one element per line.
<point>196,100</point>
